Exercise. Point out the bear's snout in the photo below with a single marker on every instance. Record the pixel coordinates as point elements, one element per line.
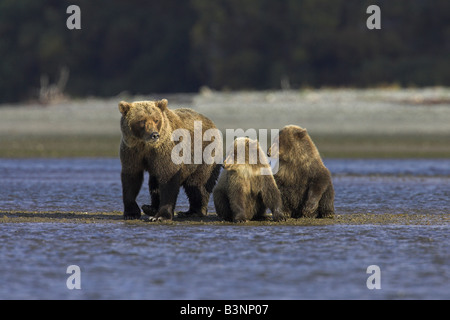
<point>154,136</point>
<point>151,136</point>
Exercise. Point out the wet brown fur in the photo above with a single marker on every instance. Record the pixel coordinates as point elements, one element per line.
<point>139,152</point>
<point>242,193</point>
<point>302,178</point>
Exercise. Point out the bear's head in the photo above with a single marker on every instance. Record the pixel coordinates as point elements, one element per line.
<point>142,121</point>
<point>293,142</point>
<point>245,152</point>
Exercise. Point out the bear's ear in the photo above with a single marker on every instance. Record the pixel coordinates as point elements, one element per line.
<point>162,104</point>
<point>300,133</point>
<point>124,107</point>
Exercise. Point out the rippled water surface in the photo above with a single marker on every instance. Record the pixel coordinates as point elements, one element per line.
<point>91,185</point>
<point>157,261</point>
<point>223,262</point>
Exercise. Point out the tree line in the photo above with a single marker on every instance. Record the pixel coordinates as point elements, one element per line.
<point>153,46</point>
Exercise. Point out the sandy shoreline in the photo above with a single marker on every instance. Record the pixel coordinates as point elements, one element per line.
<point>213,219</point>
<point>342,122</point>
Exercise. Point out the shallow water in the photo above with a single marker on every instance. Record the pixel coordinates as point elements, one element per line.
<point>223,262</point>
<point>154,261</point>
<point>92,185</point>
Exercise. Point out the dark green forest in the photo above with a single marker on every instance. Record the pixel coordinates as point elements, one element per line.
<point>146,47</point>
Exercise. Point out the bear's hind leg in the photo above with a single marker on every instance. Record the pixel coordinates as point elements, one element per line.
<point>198,201</point>
<point>271,197</point>
<point>311,205</point>
<point>326,203</point>
<point>291,201</point>
<point>215,172</point>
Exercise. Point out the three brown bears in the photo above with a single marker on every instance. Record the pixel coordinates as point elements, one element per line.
<point>302,187</point>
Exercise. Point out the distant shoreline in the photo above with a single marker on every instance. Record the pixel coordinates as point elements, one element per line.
<point>344,123</point>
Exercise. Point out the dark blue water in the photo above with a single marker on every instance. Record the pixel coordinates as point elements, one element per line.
<point>119,261</point>
<point>160,261</point>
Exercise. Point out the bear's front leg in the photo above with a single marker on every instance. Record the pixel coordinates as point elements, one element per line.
<point>168,198</point>
<point>131,185</point>
<point>153,187</point>
<point>222,204</point>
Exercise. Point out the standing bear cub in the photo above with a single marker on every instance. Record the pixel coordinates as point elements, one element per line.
<point>246,187</point>
<point>147,145</point>
<point>302,178</point>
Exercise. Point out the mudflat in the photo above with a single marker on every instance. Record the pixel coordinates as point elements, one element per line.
<point>213,219</point>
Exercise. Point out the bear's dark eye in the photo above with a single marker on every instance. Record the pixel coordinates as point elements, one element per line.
<point>156,121</point>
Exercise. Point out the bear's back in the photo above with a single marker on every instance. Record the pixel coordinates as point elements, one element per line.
<point>188,116</point>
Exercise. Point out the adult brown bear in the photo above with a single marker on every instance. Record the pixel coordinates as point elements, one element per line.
<point>302,178</point>
<point>147,145</point>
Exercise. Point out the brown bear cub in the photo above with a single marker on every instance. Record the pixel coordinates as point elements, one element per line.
<point>147,144</point>
<point>302,178</point>
<point>246,187</point>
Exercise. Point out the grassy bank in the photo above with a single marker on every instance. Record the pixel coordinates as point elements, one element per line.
<point>383,146</point>
<point>330,146</point>
<point>59,146</point>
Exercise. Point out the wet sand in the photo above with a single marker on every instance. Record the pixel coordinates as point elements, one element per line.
<point>213,219</point>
